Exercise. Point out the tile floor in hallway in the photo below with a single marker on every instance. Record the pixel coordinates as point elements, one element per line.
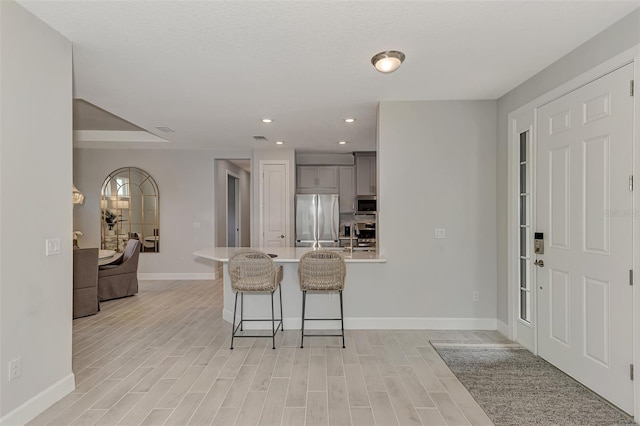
<point>163,358</point>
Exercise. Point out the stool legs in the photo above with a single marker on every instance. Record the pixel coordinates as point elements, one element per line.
<point>235,328</point>
<point>273,323</point>
<point>281,317</point>
<point>304,300</point>
<point>342,320</point>
<point>304,305</point>
<point>233,323</point>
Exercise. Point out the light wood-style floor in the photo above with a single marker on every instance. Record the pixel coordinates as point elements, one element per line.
<point>162,358</point>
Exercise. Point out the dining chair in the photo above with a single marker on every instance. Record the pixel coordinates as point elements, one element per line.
<point>120,277</point>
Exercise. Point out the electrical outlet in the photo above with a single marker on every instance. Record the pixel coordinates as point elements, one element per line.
<point>440,233</point>
<point>476,296</point>
<point>15,369</point>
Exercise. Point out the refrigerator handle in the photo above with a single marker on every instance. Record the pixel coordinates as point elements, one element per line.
<point>316,227</point>
<point>336,218</point>
<point>320,222</point>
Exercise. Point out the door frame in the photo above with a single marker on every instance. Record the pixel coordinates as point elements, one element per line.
<point>518,123</point>
<point>287,219</point>
<point>238,208</point>
<point>631,55</point>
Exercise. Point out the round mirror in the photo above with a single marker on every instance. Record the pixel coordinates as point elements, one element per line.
<point>129,205</point>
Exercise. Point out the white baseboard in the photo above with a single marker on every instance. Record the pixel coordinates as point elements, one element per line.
<point>176,276</point>
<point>421,323</point>
<point>36,405</point>
<point>503,328</point>
<point>380,323</point>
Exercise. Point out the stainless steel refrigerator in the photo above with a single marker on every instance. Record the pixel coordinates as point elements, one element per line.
<point>317,219</point>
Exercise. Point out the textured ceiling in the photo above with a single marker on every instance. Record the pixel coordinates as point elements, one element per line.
<point>210,70</point>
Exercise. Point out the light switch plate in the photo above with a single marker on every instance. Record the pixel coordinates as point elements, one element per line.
<point>52,246</point>
<point>440,233</point>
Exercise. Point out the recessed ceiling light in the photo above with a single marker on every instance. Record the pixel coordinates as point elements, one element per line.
<point>349,120</point>
<point>279,142</point>
<point>342,143</point>
<point>388,61</point>
<point>267,120</point>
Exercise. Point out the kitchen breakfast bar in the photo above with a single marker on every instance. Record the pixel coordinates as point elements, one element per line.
<point>363,281</point>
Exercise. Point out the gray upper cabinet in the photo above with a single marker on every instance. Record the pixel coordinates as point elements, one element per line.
<point>317,179</point>
<point>366,178</point>
<point>306,177</point>
<point>347,189</point>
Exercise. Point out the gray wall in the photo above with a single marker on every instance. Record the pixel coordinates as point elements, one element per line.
<point>186,184</point>
<point>614,40</point>
<point>221,167</point>
<point>35,204</point>
<point>437,163</point>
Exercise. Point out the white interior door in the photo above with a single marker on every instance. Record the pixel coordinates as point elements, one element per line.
<point>274,217</point>
<point>584,208</point>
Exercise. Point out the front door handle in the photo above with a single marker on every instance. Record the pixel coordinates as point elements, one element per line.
<point>539,263</point>
<point>281,236</point>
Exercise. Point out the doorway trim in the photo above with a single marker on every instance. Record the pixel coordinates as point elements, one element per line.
<point>518,123</point>
<point>631,55</point>
<point>237,209</point>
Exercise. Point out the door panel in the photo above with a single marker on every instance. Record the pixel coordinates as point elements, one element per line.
<point>559,190</point>
<point>559,301</point>
<point>596,199</point>
<point>585,306</point>
<point>596,319</point>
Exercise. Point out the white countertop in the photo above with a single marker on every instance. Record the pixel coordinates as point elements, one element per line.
<point>288,254</point>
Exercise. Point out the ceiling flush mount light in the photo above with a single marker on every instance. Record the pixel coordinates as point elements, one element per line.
<point>279,143</point>
<point>342,142</point>
<point>267,120</point>
<point>349,120</point>
<point>388,61</point>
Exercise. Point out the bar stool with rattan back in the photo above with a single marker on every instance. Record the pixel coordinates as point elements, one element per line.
<point>252,271</point>
<point>321,271</point>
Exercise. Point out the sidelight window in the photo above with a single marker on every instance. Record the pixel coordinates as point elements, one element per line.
<point>524,235</point>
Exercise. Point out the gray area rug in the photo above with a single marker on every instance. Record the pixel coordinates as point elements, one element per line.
<point>515,387</point>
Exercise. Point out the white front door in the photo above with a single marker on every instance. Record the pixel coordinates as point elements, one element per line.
<point>274,215</point>
<point>584,208</point>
